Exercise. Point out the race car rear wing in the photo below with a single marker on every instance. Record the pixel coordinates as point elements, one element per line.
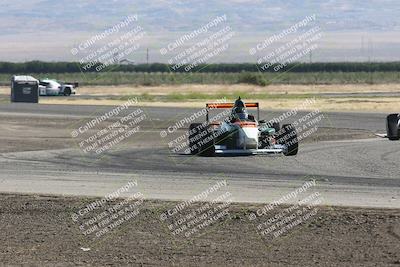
<point>231,105</point>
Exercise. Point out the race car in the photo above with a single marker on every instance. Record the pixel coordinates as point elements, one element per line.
<point>53,87</point>
<point>241,133</point>
<point>393,126</point>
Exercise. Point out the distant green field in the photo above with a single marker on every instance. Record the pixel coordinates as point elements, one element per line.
<point>158,78</point>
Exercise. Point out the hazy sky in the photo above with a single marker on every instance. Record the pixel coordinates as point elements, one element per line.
<point>349,30</point>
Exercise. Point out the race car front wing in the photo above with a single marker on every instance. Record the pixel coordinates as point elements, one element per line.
<point>275,149</point>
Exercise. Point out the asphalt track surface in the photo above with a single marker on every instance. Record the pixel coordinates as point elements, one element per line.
<point>367,121</point>
<point>348,172</point>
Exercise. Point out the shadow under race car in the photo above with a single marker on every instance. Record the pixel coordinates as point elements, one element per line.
<point>393,126</point>
<point>241,134</point>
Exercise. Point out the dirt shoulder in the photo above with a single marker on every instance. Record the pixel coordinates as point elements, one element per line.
<point>39,231</point>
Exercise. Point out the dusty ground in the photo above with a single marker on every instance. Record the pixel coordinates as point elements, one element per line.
<point>114,95</point>
<point>39,231</point>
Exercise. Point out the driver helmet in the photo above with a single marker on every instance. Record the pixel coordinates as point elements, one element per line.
<point>239,109</point>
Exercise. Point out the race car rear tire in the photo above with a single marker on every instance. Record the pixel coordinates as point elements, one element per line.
<point>67,92</point>
<point>392,128</point>
<point>193,132</point>
<point>207,148</point>
<point>201,141</point>
<point>289,138</point>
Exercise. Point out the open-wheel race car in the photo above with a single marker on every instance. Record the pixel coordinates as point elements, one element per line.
<point>240,133</point>
<point>393,126</point>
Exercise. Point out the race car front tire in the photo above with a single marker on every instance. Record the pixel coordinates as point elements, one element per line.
<point>288,137</point>
<point>201,140</point>
<point>392,127</point>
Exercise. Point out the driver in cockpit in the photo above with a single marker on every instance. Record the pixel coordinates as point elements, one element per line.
<point>239,112</point>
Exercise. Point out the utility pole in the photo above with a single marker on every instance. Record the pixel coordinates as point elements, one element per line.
<point>370,54</point>
<point>147,56</point>
<point>362,46</point>
<point>370,50</point>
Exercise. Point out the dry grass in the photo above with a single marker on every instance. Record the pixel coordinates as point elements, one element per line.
<point>213,89</point>
<point>108,95</point>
